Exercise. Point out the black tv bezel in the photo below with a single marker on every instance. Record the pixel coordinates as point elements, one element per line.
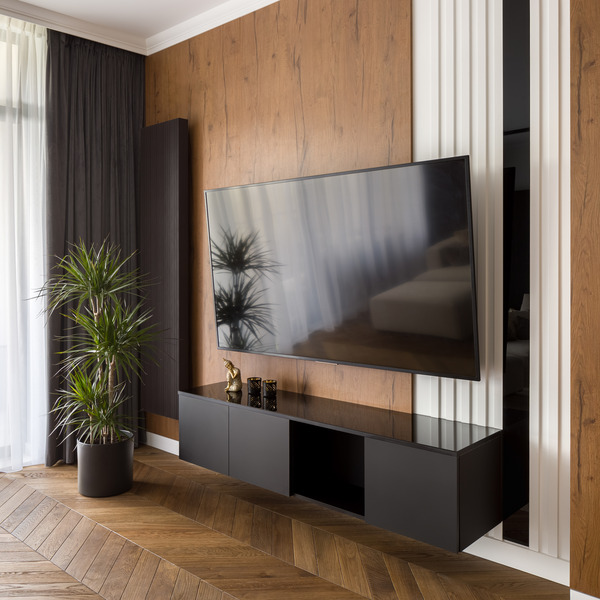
<point>465,159</point>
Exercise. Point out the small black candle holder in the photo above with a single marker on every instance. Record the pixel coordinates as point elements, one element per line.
<point>254,385</point>
<point>270,388</point>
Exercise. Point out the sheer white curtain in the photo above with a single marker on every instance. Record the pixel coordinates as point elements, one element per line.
<point>23,381</point>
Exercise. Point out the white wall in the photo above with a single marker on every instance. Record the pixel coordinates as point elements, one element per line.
<point>457,67</point>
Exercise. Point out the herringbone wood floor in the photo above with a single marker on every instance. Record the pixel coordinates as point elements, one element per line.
<point>186,532</point>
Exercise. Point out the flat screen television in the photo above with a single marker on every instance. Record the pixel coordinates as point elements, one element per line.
<point>372,268</point>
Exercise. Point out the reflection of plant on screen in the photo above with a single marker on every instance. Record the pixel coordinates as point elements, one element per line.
<point>239,302</point>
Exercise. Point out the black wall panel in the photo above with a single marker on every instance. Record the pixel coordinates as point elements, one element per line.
<point>164,256</point>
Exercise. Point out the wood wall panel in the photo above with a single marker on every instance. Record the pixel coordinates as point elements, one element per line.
<point>585,321</point>
<point>164,426</point>
<point>298,88</point>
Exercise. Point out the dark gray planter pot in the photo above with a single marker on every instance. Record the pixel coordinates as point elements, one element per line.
<point>105,469</point>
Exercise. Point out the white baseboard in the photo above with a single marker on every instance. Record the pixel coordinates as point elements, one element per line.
<point>162,443</point>
<point>580,596</point>
<point>522,558</point>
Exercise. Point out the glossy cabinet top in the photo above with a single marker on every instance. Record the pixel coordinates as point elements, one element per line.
<point>441,434</point>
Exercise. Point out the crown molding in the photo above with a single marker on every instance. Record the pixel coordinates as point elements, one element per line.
<point>224,13</point>
<point>233,9</point>
<point>66,24</point>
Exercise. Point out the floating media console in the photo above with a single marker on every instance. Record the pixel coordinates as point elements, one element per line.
<point>433,480</point>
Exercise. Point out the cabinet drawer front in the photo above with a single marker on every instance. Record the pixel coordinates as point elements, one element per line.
<point>204,433</point>
<point>259,449</point>
<point>413,492</point>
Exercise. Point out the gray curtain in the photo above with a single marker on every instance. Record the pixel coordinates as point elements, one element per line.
<point>95,113</point>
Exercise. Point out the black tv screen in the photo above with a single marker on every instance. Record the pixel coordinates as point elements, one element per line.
<point>372,268</point>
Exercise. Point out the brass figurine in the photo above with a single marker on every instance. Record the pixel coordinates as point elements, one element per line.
<point>234,377</point>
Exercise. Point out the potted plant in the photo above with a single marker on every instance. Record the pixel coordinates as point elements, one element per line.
<point>94,290</point>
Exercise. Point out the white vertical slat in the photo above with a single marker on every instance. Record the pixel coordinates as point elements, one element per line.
<point>426,111</point>
<point>457,50</point>
<point>550,244</point>
<point>495,214</point>
<point>496,223</point>
<point>564,467</point>
<point>426,120</point>
<point>464,391</point>
<point>549,305</point>
<point>447,78</point>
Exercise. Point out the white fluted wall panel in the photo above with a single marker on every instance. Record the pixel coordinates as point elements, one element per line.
<point>457,66</point>
<point>550,278</point>
<point>457,109</point>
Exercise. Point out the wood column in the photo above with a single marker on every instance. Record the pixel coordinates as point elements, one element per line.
<point>585,305</point>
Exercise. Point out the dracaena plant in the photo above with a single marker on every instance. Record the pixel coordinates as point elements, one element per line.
<point>95,291</point>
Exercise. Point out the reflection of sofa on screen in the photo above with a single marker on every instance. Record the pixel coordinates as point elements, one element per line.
<point>435,303</point>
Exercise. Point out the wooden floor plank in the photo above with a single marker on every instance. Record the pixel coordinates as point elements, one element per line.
<point>207,508</point>
<point>139,583</point>
<point>456,589</point>
<point>72,543</point>
<point>163,582</point>
<point>208,592</point>
<point>8,491</point>
<point>224,514</point>
<point>429,584</point>
<point>181,497</point>
<point>87,553</point>
<point>353,574</point>
<point>328,562</point>
<point>153,483</point>
<point>11,504</point>
<point>262,530</point>
<point>186,586</point>
<point>304,547</point>
<point>103,562</point>
<point>242,521</point>
<point>283,540</point>
<point>40,523</point>
<point>12,521</point>
<point>31,564</point>
<point>120,573</point>
<point>403,580</point>
<point>378,576</point>
<point>59,534</point>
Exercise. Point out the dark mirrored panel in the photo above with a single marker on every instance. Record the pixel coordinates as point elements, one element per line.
<point>372,268</point>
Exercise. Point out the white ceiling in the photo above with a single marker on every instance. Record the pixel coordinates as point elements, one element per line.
<point>143,26</point>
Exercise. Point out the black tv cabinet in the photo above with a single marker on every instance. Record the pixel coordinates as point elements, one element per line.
<point>433,480</point>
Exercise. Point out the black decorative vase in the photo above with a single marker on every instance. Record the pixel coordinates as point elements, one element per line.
<point>105,469</point>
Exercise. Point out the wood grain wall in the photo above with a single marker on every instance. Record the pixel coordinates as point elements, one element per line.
<point>298,88</point>
<point>585,293</point>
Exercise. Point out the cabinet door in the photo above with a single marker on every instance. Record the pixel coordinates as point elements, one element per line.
<point>259,449</point>
<point>412,491</point>
<point>204,433</point>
